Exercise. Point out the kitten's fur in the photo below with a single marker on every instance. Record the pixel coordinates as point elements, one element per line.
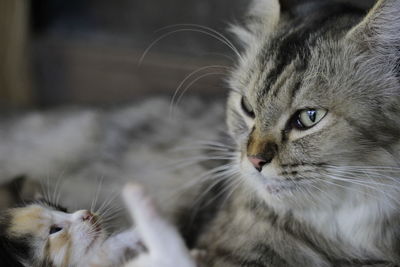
<point>327,195</point>
<point>44,235</point>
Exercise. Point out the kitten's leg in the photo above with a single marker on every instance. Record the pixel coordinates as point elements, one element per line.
<point>116,249</point>
<point>164,244</point>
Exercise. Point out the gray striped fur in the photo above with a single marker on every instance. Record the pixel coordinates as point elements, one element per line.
<point>341,205</point>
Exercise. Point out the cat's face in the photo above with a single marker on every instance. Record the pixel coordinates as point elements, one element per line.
<point>313,108</point>
<point>53,237</point>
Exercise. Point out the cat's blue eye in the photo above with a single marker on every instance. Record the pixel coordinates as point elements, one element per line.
<point>55,229</point>
<point>247,108</point>
<point>307,118</point>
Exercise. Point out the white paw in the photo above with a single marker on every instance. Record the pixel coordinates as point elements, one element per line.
<point>165,247</point>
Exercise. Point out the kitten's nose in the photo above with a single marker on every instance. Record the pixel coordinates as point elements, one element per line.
<point>83,215</point>
<point>87,215</point>
<point>258,162</point>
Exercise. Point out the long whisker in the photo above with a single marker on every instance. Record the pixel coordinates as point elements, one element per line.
<point>96,196</point>
<point>194,81</point>
<point>219,34</point>
<point>187,78</point>
<point>185,30</point>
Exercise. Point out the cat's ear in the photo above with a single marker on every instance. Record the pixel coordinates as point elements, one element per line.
<point>380,29</point>
<point>261,18</point>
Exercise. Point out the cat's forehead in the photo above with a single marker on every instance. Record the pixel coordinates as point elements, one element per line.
<point>287,62</point>
<point>32,219</point>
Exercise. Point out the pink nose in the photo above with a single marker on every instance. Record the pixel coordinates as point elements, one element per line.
<point>257,162</point>
<point>87,216</point>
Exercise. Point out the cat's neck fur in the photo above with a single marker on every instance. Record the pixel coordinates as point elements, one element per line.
<point>361,225</point>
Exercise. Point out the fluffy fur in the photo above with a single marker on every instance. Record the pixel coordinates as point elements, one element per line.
<point>325,195</point>
<point>328,194</point>
<point>45,235</point>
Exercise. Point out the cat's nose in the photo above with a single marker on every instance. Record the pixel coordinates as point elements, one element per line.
<point>87,216</point>
<point>83,215</point>
<point>258,162</point>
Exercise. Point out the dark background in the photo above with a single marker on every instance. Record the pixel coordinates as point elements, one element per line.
<point>61,52</point>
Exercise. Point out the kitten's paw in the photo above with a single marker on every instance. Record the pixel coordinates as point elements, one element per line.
<point>165,247</point>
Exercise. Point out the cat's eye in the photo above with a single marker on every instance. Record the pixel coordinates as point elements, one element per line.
<point>247,107</point>
<point>55,229</point>
<point>307,118</point>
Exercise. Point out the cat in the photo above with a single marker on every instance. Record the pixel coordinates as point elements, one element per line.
<point>314,112</point>
<point>315,115</point>
<point>41,233</point>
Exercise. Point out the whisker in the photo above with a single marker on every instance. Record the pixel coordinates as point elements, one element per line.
<point>96,196</point>
<point>184,30</point>
<point>187,78</point>
<point>231,45</point>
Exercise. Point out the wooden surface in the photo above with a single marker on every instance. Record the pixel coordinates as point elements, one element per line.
<point>15,90</point>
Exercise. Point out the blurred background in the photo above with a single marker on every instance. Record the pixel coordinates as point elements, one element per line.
<point>58,52</point>
<point>62,52</point>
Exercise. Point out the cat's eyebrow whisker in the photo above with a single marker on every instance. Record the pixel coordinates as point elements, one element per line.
<point>195,28</point>
<point>205,28</point>
<point>231,59</point>
<point>190,85</point>
<point>182,83</point>
<point>187,87</point>
<point>182,30</point>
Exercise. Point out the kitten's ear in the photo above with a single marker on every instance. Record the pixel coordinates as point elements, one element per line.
<point>261,18</point>
<point>380,29</point>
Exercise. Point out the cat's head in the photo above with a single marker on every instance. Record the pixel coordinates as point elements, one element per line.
<point>315,102</point>
<point>42,234</point>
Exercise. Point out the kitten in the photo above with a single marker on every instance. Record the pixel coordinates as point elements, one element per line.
<point>43,234</point>
<point>314,113</point>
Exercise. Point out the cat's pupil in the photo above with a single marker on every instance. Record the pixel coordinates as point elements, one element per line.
<point>54,229</point>
<point>312,114</point>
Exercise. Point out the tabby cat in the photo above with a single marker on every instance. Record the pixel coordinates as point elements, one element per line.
<point>315,115</point>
